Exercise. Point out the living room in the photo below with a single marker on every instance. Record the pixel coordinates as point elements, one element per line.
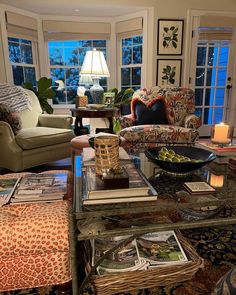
<point>48,25</point>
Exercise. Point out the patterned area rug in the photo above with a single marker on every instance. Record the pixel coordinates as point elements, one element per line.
<point>216,245</point>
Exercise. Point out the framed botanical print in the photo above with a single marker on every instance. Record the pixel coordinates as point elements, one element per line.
<point>169,72</point>
<point>170,36</point>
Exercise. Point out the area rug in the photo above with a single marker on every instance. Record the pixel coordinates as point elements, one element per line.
<point>217,245</point>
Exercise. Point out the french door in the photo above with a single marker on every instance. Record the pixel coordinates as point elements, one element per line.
<point>211,77</point>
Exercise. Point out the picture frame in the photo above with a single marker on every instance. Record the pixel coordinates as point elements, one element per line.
<point>108,98</point>
<point>169,72</point>
<point>170,36</point>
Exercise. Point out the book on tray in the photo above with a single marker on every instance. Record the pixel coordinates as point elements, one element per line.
<point>95,192</point>
<point>7,188</point>
<point>151,250</point>
<point>198,187</point>
<point>40,188</point>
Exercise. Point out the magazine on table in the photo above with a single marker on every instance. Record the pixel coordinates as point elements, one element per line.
<point>40,187</point>
<point>157,249</point>
<point>7,188</point>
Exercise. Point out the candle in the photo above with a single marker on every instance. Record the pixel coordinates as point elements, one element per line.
<point>221,134</point>
<point>216,180</point>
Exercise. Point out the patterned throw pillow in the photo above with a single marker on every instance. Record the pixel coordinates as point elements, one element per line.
<point>11,117</point>
<point>227,284</point>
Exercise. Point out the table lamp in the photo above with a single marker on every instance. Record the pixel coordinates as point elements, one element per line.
<point>95,66</point>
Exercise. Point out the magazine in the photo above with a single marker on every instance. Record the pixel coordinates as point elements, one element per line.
<point>7,188</point>
<point>157,249</point>
<point>40,187</point>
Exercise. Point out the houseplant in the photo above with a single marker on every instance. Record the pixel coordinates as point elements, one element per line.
<point>43,91</point>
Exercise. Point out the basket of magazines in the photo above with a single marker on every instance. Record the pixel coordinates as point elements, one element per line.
<point>154,259</point>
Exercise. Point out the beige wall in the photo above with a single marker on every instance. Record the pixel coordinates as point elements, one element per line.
<point>3,77</point>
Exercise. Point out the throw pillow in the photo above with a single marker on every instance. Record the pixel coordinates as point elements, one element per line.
<point>11,117</point>
<point>154,114</point>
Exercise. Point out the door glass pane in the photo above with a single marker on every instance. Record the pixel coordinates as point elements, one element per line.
<point>218,115</point>
<point>211,74</point>
<point>220,94</point>
<point>221,78</point>
<point>208,116</point>
<point>200,73</point>
<point>209,97</point>
<point>212,56</point>
<point>223,56</point>
<point>198,96</point>
<point>201,56</point>
<point>198,112</point>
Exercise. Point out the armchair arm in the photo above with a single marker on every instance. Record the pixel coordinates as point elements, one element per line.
<point>192,121</point>
<point>55,121</point>
<point>126,121</point>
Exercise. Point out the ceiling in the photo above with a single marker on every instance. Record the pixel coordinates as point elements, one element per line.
<point>89,8</point>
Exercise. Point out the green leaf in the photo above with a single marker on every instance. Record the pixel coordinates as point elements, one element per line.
<point>49,93</point>
<point>168,68</point>
<point>44,83</point>
<point>164,78</point>
<point>46,107</point>
<point>172,81</point>
<point>166,29</point>
<point>167,38</point>
<point>172,28</point>
<point>176,30</point>
<point>164,44</point>
<point>28,85</point>
<point>174,44</point>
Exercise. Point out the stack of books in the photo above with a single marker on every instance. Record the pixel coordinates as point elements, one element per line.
<point>39,188</point>
<point>95,192</point>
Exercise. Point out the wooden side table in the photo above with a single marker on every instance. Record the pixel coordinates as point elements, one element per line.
<point>81,112</point>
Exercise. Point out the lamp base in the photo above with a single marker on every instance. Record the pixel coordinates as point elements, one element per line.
<point>97,91</point>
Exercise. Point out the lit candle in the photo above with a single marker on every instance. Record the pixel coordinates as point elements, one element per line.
<point>221,134</point>
<point>216,180</point>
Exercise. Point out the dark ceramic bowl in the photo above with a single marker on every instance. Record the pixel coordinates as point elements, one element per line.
<point>195,153</point>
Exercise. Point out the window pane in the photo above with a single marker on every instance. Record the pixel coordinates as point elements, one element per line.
<point>198,97</point>
<point>82,52</point>
<point>86,43</point>
<point>55,44</point>
<point>26,54</point>
<point>103,83</point>
<point>18,75</point>
<point>71,56</point>
<point>99,43</point>
<point>200,77</point>
<point>223,56</point>
<point>30,76</point>
<point>221,79</point>
<point>136,76</point>
<point>70,43</point>
<point>56,56</point>
<point>137,54</point>
<point>72,77</point>
<point>218,115</point>
<point>220,94</point>
<point>71,94</point>
<point>201,56</point>
<point>127,42</point>
<point>57,74</point>
<point>137,40</point>
<point>25,41</point>
<point>14,52</point>
<point>126,56</point>
<point>125,77</point>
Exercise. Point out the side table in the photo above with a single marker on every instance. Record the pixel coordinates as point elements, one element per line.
<point>82,112</point>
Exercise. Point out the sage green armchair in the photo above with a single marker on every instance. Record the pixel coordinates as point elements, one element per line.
<point>42,138</point>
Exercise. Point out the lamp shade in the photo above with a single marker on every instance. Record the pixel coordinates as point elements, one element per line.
<point>85,80</point>
<point>94,64</point>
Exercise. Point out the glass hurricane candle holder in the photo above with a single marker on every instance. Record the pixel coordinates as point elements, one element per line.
<point>222,134</point>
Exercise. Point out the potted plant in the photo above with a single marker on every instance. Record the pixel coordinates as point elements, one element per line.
<point>43,91</point>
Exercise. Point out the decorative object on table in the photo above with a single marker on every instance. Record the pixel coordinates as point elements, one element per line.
<point>197,158</point>
<point>61,85</point>
<point>106,153</point>
<point>216,180</point>
<point>96,106</point>
<point>43,91</point>
<point>170,37</point>
<point>95,66</point>
<point>198,187</point>
<point>109,98</point>
<point>222,134</point>
<point>169,72</point>
<point>81,101</point>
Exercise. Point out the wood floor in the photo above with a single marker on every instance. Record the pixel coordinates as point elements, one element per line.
<point>64,164</point>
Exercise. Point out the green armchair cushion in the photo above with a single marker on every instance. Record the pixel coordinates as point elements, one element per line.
<point>31,138</point>
<point>55,121</point>
<point>11,117</point>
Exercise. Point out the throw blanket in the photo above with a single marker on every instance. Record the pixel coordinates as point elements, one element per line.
<point>14,97</point>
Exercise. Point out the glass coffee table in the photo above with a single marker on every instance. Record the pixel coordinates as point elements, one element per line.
<point>172,202</point>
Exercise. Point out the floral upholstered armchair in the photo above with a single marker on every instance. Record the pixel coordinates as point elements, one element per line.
<point>160,116</point>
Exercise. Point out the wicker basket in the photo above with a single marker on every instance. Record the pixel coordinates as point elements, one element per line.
<point>160,276</point>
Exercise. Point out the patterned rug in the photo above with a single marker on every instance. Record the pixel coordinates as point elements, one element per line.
<point>216,245</point>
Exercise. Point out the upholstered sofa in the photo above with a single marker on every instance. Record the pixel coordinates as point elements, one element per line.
<point>160,116</point>
<point>30,138</point>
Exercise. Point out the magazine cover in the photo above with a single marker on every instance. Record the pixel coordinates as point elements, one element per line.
<point>160,248</point>
<point>122,259</point>
<point>7,187</point>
